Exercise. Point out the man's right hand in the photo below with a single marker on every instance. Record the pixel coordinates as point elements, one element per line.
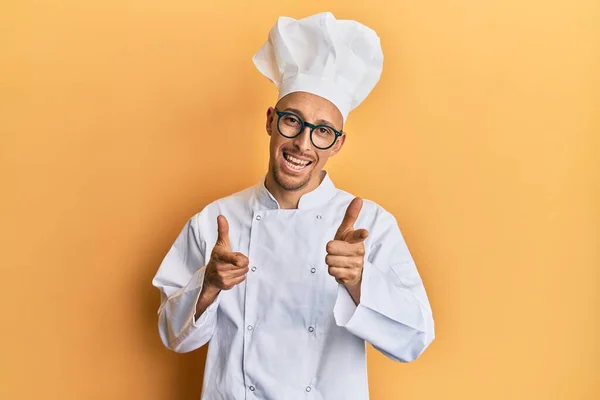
<point>225,269</point>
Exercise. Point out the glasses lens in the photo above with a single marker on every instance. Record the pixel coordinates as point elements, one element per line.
<point>323,136</point>
<point>289,125</point>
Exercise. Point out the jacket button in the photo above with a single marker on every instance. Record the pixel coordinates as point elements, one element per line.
<point>319,216</point>
<point>311,329</point>
<point>250,327</point>
<point>252,388</point>
<point>258,217</point>
<point>253,269</point>
<point>308,389</point>
<point>313,270</point>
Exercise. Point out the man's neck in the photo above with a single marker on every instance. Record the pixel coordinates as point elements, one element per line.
<point>288,199</point>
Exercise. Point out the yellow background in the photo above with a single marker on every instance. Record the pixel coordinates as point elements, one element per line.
<point>121,119</point>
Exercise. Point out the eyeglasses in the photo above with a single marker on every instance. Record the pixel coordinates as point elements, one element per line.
<point>291,125</point>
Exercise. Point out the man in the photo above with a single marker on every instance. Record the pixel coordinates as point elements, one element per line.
<point>290,278</point>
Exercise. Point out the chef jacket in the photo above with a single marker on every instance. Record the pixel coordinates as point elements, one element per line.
<point>290,331</point>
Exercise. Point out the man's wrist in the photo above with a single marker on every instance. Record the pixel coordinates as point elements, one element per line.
<point>209,291</point>
<point>354,291</point>
<point>208,295</point>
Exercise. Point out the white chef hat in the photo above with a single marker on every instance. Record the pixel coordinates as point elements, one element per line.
<point>339,60</point>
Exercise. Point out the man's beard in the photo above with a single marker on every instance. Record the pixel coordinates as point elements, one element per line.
<point>288,184</point>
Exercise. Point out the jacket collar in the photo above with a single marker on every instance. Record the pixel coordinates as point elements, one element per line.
<point>316,198</point>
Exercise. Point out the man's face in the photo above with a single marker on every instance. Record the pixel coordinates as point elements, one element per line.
<point>294,163</point>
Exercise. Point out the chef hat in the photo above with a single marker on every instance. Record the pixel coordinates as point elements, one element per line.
<point>339,60</point>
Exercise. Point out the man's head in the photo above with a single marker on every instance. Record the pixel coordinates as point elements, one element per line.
<point>323,68</point>
<point>295,162</point>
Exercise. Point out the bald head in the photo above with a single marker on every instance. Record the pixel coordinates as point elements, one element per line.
<point>312,108</point>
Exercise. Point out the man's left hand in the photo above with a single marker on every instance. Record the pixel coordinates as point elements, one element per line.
<point>346,252</point>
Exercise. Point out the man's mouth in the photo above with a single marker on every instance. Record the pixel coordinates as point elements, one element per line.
<point>294,163</point>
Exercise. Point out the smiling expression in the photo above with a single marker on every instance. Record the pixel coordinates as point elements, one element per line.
<point>295,163</point>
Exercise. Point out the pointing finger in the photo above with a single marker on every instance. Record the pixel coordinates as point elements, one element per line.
<point>344,248</point>
<point>357,236</point>
<point>232,260</point>
<point>241,261</point>
<point>226,257</point>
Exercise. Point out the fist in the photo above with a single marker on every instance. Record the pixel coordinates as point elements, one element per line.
<point>346,252</point>
<point>225,268</point>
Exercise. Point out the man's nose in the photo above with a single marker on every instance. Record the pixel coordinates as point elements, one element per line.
<point>302,141</point>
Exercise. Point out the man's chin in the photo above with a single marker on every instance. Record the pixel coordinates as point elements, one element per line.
<point>291,183</point>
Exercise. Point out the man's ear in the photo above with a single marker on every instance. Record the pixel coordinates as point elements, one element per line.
<point>270,116</point>
<point>338,144</point>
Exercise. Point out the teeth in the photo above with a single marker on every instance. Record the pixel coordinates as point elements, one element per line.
<point>294,166</point>
<point>296,161</point>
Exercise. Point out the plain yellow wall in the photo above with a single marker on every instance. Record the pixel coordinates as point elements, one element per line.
<point>121,119</point>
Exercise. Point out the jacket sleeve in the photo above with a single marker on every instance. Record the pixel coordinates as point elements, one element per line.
<point>179,280</point>
<point>394,313</point>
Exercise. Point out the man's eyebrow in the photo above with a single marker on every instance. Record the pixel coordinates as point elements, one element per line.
<point>318,122</point>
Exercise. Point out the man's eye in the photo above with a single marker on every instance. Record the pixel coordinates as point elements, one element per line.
<point>292,120</point>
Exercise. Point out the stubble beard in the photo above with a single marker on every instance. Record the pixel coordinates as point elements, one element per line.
<point>288,183</point>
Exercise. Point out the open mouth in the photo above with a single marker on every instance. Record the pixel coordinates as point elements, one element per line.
<point>294,163</point>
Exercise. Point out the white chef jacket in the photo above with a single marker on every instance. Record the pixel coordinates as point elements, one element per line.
<point>290,331</point>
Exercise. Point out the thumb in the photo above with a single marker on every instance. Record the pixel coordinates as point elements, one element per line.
<point>350,218</point>
<point>223,232</point>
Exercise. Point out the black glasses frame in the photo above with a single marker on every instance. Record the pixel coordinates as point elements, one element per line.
<point>304,124</point>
